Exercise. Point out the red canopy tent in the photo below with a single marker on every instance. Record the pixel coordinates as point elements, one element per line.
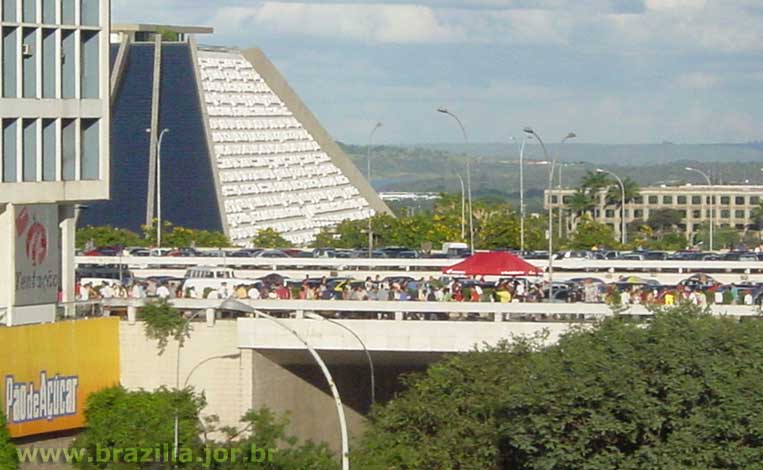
<point>499,263</point>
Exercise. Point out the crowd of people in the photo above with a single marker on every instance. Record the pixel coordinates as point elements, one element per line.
<point>424,290</point>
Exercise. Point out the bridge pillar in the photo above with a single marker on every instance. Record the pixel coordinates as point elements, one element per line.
<point>211,317</point>
<point>132,314</point>
<point>399,316</point>
<point>299,314</point>
<point>498,317</point>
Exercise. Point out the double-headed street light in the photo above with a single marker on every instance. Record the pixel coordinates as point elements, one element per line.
<point>569,136</point>
<point>238,306</point>
<point>623,225</point>
<point>712,207</point>
<point>315,316</point>
<point>159,186</point>
<point>463,206</point>
<point>522,191</point>
<point>531,131</point>
<point>468,175</point>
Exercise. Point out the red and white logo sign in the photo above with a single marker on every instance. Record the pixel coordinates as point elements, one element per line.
<point>36,243</point>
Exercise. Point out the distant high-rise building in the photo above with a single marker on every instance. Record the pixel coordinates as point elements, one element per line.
<point>239,152</point>
<point>54,141</point>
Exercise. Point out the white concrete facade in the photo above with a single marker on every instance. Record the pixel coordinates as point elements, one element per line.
<point>727,206</point>
<point>54,128</point>
<point>275,167</point>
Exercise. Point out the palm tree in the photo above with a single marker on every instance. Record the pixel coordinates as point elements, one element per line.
<point>614,193</point>
<point>580,203</point>
<point>757,219</point>
<point>593,182</point>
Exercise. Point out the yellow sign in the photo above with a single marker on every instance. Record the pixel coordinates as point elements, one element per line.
<point>49,371</point>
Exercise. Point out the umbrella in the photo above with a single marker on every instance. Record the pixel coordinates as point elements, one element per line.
<point>498,263</point>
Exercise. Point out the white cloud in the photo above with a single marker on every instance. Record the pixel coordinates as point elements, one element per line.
<point>357,22</point>
<point>399,23</point>
<point>662,25</point>
<point>662,5</point>
<point>697,81</point>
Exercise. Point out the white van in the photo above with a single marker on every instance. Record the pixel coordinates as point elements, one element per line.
<point>203,278</point>
<point>455,248</point>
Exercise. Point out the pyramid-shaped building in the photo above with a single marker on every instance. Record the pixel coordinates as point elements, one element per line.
<point>231,145</point>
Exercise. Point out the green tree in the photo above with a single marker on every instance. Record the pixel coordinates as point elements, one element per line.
<point>590,234</point>
<point>162,322</point>
<point>594,182</point>
<point>671,242</point>
<point>723,237</point>
<point>120,419</point>
<point>270,238</point>
<point>107,236</point>
<point>680,392</point>
<point>496,225</point>
<point>180,237</point>
<point>757,217</point>
<point>580,203</point>
<point>615,192</point>
<point>500,229</point>
<point>267,431</point>
<point>661,220</point>
<point>9,459</point>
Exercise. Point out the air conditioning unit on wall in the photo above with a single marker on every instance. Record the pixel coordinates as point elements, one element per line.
<point>26,50</point>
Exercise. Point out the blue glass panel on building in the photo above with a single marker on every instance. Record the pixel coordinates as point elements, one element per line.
<point>9,12</point>
<point>10,151</point>
<point>130,116</point>
<point>48,150</point>
<point>29,151</point>
<point>113,51</point>
<point>191,198</point>
<point>10,36</point>
<point>188,193</point>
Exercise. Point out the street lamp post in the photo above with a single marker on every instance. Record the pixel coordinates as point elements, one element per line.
<point>236,306</point>
<point>468,176</point>
<point>531,131</point>
<point>159,186</point>
<point>522,193</point>
<point>623,225</point>
<point>569,136</point>
<point>463,207</point>
<point>712,207</point>
<point>176,442</point>
<point>188,379</point>
<point>315,316</point>
<point>368,176</point>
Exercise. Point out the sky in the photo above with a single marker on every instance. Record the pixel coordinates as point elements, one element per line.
<point>612,71</point>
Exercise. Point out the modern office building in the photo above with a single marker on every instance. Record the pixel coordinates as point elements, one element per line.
<point>728,205</point>
<point>214,138</point>
<point>54,145</point>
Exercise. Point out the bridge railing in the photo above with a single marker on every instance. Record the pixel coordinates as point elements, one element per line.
<point>402,311</point>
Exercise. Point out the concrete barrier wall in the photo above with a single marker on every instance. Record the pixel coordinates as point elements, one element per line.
<point>225,382</point>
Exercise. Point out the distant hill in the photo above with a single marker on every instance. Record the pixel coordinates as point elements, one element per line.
<point>645,154</point>
<point>495,169</point>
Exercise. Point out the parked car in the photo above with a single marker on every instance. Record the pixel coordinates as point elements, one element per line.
<point>105,251</point>
<point>655,255</point>
<point>245,253</point>
<point>394,251</point>
<point>740,256</point>
<point>271,254</point>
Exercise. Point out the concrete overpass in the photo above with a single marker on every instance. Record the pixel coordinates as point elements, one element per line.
<point>275,370</point>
